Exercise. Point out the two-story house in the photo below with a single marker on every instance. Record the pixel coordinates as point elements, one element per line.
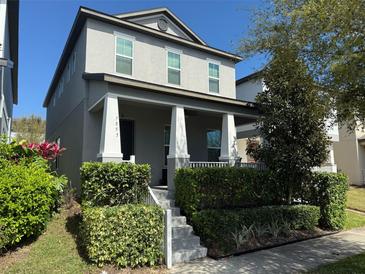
<point>143,87</point>
<point>9,21</point>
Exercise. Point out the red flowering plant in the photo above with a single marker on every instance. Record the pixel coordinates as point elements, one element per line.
<point>15,151</point>
<point>48,151</point>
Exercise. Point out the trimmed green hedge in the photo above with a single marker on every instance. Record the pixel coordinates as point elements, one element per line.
<point>128,235</point>
<point>113,183</point>
<point>224,188</point>
<point>230,188</point>
<point>28,196</point>
<point>215,226</point>
<point>329,192</point>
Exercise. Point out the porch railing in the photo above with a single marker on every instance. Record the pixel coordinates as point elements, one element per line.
<point>151,198</point>
<point>258,166</point>
<point>208,164</point>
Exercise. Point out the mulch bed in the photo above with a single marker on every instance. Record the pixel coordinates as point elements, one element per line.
<point>266,242</point>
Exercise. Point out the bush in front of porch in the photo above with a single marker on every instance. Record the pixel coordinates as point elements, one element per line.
<point>226,232</point>
<point>126,235</point>
<point>205,192</point>
<point>114,184</point>
<point>117,227</point>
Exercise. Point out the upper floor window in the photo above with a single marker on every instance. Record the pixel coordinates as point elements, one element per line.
<point>124,55</point>
<point>213,77</point>
<point>173,68</point>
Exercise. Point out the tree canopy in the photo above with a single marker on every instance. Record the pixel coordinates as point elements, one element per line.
<point>329,36</point>
<point>293,125</point>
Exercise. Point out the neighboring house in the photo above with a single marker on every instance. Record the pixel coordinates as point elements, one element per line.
<point>350,154</point>
<point>247,88</point>
<point>143,87</point>
<point>9,21</point>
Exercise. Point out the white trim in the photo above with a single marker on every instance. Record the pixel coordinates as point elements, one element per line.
<point>214,62</point>
<point>175,51</point>
<point>157,16</point>
<point>123,35</point>
<point>158,102</point>
<point>132,39</point>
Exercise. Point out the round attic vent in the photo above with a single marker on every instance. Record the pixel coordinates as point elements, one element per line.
<point>162,24</point>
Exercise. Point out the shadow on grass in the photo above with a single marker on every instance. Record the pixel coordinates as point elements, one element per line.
<point>73,226</point>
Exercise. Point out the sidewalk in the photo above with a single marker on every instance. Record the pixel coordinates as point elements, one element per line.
<point>291,258</point>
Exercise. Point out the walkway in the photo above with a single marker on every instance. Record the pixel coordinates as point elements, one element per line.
<point>290,258</point>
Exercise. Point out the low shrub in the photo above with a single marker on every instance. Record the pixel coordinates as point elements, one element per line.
<point>113,183</point>
<point>224,188</point>
<point>218,228</point>
<point>28,195</point>
<point>127,235</point>
<point>329,192</point>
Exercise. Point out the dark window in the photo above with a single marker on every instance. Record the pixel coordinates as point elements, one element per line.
<point>213,145</point>
<point>127,138</point>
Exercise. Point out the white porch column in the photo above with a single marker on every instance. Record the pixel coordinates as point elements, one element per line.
<point>228,141</point>
<point>110,148</point>
<point>178,152</point>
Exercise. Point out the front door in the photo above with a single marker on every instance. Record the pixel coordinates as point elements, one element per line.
<point>127,138</point>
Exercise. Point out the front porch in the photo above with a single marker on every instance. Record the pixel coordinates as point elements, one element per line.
<point>167,136</point>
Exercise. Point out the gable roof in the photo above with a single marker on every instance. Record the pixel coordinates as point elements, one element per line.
<point>169,14</point>
<point>86,13</point>
<point>255,75</point>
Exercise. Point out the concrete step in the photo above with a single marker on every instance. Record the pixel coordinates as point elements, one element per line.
<point>161,194</point>
<point>178,220</point>
<point>166,203</point>
<point>181,231</point>
<point>186,255</point>
<point>190,242</point>
<point>175,211</point>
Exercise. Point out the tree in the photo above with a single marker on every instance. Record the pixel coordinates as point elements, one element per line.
<point>30,128</point>
<point>292,123</point>
<point>329,36</point>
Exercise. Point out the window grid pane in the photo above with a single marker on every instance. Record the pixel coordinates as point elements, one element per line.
<point>214,139</point>
<point>213,85</point>
<point>173,60</point>
<point>124,65</point>
<point>173,76</point>
<point>124,47</point>
<point>213,70</point>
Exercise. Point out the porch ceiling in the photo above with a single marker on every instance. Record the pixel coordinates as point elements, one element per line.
<point>134,90</point>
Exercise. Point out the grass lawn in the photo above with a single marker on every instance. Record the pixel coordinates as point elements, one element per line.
<point>354,220</point>
<point>356,198</point>
<point>354,264</point>
<point>56,251</point>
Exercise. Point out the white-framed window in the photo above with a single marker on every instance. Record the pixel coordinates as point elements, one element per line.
<point>213,144</point>
<point>73,67</point>
<point>213,76</point>
<point>124,47</point>
<point>173,67</point>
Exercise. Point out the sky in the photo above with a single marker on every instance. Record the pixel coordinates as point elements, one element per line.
<point>44,27</point>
